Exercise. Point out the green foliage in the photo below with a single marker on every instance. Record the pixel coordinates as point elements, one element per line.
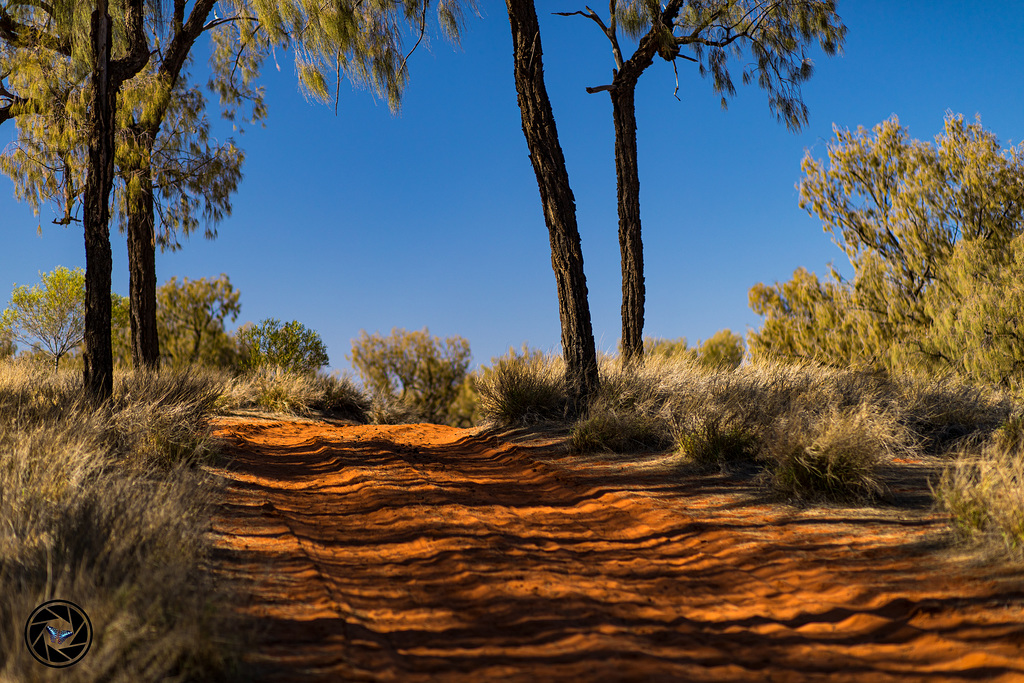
<point>769,39</point>
<point>291,346</point>
<point>425,372</point>
<point>50,317</point>
<point>190,321</point>
<point>723,350</point>
<point>933,233</point>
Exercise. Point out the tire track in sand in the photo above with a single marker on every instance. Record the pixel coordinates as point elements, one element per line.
<point>428,553</point>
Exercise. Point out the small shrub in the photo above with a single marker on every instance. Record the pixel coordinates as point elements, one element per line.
<point>291,346</point>
<point>835,455</point>
<point>984,496</point>
<point>520,389</point>
<point>711,441</point>
<point>388,409</point>
<point>341,398</point>
<point>627,431</point>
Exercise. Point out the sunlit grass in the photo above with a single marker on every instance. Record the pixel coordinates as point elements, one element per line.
<point>106,508</point>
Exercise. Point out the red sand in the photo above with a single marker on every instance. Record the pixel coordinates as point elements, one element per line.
<point>428,553</point>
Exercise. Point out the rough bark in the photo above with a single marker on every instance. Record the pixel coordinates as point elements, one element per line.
<point>627,173</point>
<point>630,241</point>
<point>145,341</point>
<point>142,270</point>
<point>99,360</point>
<point>559,206</point>
<point>107,77</point>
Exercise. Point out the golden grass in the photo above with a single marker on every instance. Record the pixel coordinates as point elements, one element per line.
<point>815,433</point>
<point>103,508</point>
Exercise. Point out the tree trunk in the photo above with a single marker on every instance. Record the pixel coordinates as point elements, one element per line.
<point>559,207</point>
<point>631,245</point>
<point>142,268</point>
<point>99,360</point>
<point>107,78</point>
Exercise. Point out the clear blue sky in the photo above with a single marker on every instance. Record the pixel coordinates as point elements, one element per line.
<point>432,218</point>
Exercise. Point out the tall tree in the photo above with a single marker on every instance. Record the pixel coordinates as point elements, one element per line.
<point>108,76</point>
<point>559,205</point>
<point>360,41</point>
<point>776,34</point>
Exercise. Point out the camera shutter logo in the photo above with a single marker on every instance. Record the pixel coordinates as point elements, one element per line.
<point>58,633</point>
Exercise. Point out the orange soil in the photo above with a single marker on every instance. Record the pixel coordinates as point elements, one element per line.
<point>428,553</point>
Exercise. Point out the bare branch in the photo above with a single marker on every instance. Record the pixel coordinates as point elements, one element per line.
<point>423,30</point>
<point>601,88</point>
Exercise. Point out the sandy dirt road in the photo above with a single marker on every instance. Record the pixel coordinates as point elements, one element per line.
<point>428,553</point>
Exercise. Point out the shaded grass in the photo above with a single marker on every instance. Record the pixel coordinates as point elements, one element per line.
<point>105,508</point>
<point>983,492</point>
<point>275,389</point>
<point>814,433</point>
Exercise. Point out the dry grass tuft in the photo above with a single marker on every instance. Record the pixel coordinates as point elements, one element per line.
<point>522,389</point>
<point>278,390</point>
<point>984,494</point>
<point>104,506</point>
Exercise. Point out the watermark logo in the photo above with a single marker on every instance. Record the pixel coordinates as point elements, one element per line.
<point>58,633</point>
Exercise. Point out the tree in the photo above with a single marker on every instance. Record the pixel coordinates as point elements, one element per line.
<point>776,33</point>
<point>50,316</point>
<point>291,346</point>
<point>559,206</point>
<point>356,39</point>
<point>932,231</point>
<point>191,316</point>
<point>426,372</point>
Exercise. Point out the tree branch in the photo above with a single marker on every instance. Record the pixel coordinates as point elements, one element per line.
<point>19,34</point>
<point>609,31</point>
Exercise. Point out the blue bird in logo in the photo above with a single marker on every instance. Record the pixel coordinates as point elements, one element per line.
<point>58,636</point>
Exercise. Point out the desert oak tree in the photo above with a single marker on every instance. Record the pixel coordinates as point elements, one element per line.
<point>558,203</point>
<point>776,34</point>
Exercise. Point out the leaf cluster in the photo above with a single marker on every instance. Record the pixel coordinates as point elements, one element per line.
<point>291,346</point>
<point>933,231</point>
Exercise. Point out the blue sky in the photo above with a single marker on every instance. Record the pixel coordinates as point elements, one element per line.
<point>432,218</point>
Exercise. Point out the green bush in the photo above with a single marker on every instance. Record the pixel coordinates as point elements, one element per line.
<point>426,374</point>
<point>291,346</point>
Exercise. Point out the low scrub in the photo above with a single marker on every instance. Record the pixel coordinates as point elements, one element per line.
<point>984,495</point>
<point>276,389</point>
<point>523,388</point>
<point>712,441</point>
<point>105,506</point>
